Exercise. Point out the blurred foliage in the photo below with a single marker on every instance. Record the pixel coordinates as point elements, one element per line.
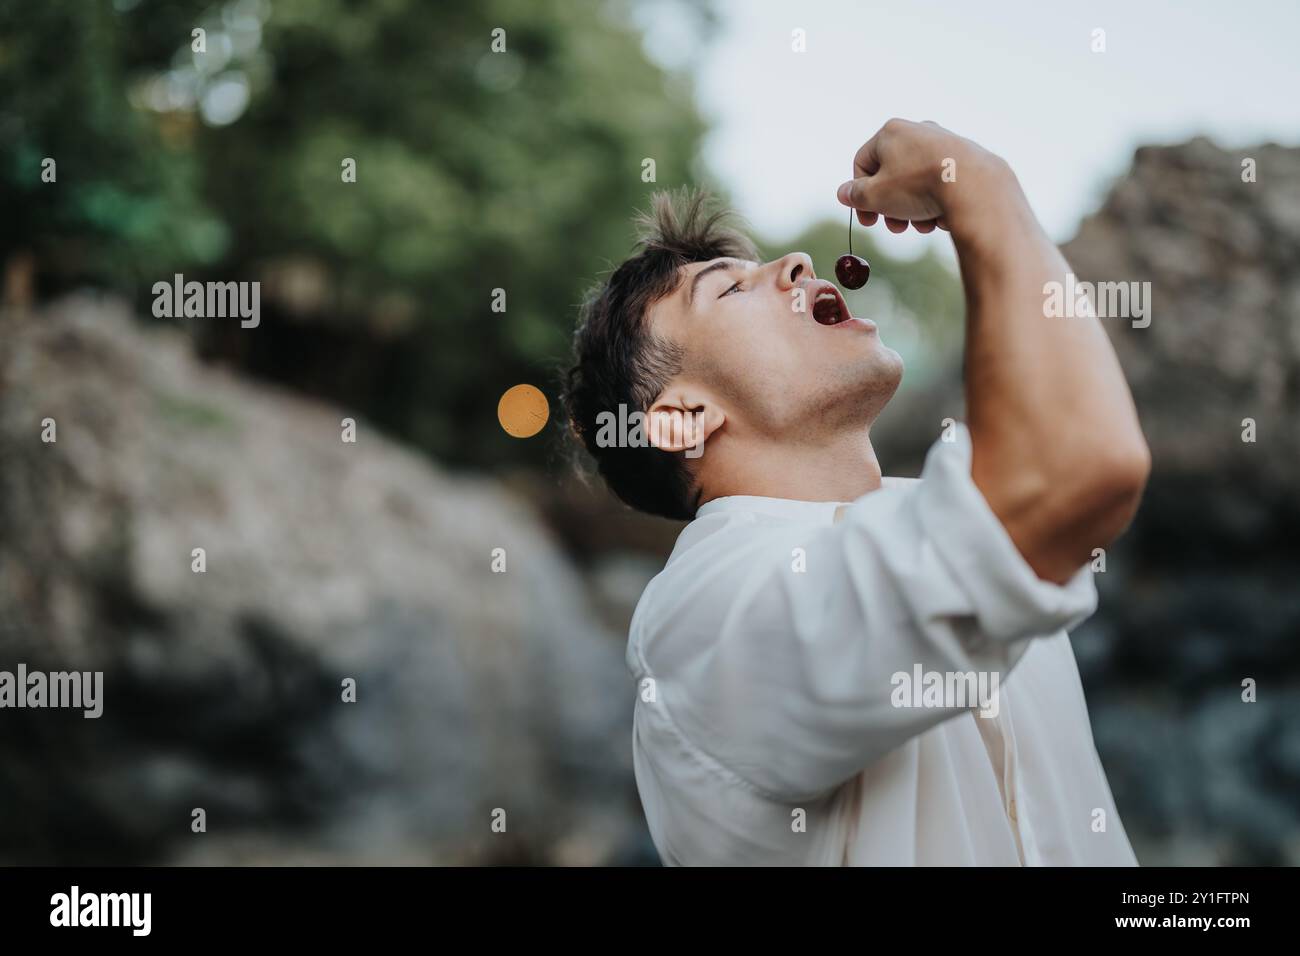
<point>122,205</point>
<point>475,171</point>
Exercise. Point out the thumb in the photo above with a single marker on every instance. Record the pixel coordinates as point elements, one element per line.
<point>851,193</point>
<point>863,193</point>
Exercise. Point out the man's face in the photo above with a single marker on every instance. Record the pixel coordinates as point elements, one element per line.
<point>776,348</point>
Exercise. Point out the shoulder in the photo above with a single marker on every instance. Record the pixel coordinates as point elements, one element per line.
<point>718,563</point>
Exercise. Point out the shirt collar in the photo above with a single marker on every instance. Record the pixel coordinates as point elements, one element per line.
<point>814,512</point>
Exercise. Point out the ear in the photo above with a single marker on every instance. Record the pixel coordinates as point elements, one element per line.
<point>679,420</point>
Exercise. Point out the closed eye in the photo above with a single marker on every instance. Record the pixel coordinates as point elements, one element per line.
<point>735,287</point>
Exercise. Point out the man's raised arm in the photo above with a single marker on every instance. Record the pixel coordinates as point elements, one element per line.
<point>1057,450</point>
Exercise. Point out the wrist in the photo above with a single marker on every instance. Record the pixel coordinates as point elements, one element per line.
<point>987,204</point>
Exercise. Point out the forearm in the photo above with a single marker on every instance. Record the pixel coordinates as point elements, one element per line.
<point>1057,448</point>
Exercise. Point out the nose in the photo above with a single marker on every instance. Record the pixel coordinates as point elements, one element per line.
<point>792,269</point>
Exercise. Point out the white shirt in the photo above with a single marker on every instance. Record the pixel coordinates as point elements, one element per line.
<point>767,655</point>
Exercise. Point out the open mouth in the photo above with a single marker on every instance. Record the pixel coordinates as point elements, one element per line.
<point>829,307</point>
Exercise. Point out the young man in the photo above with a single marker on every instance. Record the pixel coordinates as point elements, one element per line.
<point>807,661</point>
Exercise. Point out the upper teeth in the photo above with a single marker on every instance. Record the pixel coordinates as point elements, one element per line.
<point>826,295</point>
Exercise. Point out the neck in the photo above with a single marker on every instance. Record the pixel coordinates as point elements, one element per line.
<point>843,468</point>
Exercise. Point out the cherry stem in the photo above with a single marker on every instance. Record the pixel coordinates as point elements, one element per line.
<point>850,232</point>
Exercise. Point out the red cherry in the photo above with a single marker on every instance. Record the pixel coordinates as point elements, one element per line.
<point>852,271</point>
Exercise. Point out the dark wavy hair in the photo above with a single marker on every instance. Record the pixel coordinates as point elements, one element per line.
<point>617,358</point>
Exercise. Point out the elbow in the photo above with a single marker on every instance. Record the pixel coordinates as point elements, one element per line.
<point>1127,471</point>
<point>1110,489</point>
<point>1058,513</point>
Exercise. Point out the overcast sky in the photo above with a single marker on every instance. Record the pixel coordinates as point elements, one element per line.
<point>1015,75</point>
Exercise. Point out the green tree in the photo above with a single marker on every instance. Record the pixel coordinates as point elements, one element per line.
<point>123,200</point>
<point>477,169</point>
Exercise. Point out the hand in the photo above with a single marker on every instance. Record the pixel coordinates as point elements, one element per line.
<point>900,174</point>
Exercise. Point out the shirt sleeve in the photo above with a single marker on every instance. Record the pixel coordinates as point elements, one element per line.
<point>778,647</point>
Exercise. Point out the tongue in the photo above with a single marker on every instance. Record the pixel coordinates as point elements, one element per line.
<point>826,311</point>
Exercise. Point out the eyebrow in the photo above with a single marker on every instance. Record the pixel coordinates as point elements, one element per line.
<point>711,268</point>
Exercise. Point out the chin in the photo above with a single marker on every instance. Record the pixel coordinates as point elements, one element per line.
<point>881,371</point>
<point>853,394</point>
<point>878,381</point>
<point>890,368</point>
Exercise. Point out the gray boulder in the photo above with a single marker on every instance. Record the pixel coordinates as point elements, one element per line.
<point>1201,594</point>
<point>325,560</point>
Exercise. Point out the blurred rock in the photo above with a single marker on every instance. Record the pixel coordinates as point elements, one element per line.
<point>1223,260</point>
<point>1201,593</point>
<point>618,582</point>
<point>325,560</point>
